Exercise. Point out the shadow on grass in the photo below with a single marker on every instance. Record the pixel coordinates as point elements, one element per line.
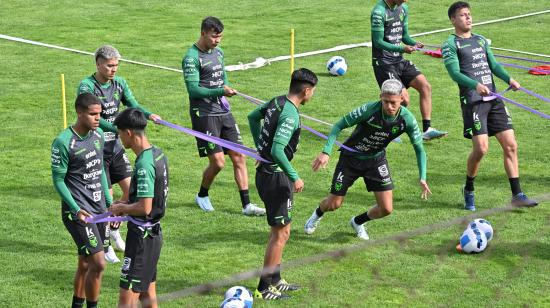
<point>21,246</point>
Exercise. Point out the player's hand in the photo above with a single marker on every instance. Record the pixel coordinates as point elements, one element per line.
<point>117,209</point>
<point>409,49</point>
<point>482,90</point>
<point>320,162</point>
<point>514,84</point>
<point>425,190</point>
<point>298,186</point>
<point>82,215</point>
<point>155,118</point>
<point>228,91</point>
<point>419,45</point>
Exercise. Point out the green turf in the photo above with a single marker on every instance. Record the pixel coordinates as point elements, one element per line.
<point>37,255</point>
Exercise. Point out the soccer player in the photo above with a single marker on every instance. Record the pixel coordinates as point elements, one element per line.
<point>147,204</point>
<point>277,140</point>
<point>471,64</point>
<point>376,124</point>
<point>389,29</point>
<point>79,178</point>
<point>112,90</point>
<point>207,85</point>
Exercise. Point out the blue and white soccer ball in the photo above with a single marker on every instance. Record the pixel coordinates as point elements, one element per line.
<point>241,293</point>
<point>337,66</point>
<point>484,226</point>
<point>473,240</point>
<point>233,302</point>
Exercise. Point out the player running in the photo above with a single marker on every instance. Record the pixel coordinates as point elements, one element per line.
<point>112,90</point>
<point>376,124</point>
<point>389,28</point>
<point>79,178</point>
<point>471,64</point>
<point>207,85</point>
<point>277,140</point>
<point>147,204</point>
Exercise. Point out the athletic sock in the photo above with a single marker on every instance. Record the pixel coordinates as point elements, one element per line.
<point>426,124</point>
<point>319,212</point>
<point>469,183</point>
<point>203,192</point>
<point>514,185</point>
<point>276,277</point>
<point>90,304</point>
<point>361,219</point>
<point>265,281</point>
<point>77,302</point>
<point>245,197</point>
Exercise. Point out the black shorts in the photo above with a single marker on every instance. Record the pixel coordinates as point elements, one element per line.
<point>117,168</point>
<point>375,173</point>
<point>483,118</point>
<point>277,192</point>
<point>405,71</point>
<point>223,126</point>
<point>89,238</point>
<point>141,256</point>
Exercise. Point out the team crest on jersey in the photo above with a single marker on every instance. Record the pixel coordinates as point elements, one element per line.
<point>481,42</point>
<point>91,237</point>
<point>394,129</point>
<point>116,96</point>
<point>97,144</point>
<point>402,16</point>
<point>383,170</point>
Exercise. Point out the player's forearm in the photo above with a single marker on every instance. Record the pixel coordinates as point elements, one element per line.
<point>334,133</point>
<point>496,68</point>
<point>378,42</point>
<point>279,157</point>
<point>196,91</point>
<point>255,123</point>
<point>407,39</point>
<point>107,126</point>
<point>105,186</point>
<point>454,71</point>
<point>420,159</point>
<point>63,191</point>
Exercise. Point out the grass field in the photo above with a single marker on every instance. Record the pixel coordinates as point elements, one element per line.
<point>38,257</point>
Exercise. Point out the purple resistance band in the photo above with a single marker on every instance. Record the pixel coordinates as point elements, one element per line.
<point>106,217</point>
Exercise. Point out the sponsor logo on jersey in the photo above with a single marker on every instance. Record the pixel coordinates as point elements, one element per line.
<point>126,264</point>
<point>96,195</point>
<point>383,170</point>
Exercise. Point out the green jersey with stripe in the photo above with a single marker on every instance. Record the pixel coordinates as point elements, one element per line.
<point>78,161</point>
<point>204,76</point>
<point>111,95</point>
<point>150,180</point>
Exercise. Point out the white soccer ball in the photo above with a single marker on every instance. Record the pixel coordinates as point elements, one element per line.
<point>473,240</point>
<point>337,66</point>
<point>241,293</point>
<point>233,302</point>
<point>484,226</point>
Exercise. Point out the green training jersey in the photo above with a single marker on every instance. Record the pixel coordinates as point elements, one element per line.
<point>204,76</point>
<point>389,27</point>
<point>78,161</point>
<point>111,95</point>
<point>150,180</point>
<point>470,61</point>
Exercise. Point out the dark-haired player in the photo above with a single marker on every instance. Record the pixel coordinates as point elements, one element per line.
<point>147,204</point>
<point>79,178</point>
<point>275,127</point>
<point>471,64</point>
<point>207,85</point>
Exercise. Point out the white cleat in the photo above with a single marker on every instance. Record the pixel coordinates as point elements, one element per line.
<point>204,203</point>
<point>110,256</point>
<point>312,223</point>
<point>253,210</point>
<point>359,229</point>
<point>117,241</point>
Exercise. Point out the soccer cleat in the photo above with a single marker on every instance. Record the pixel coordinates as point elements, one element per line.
<point>432,133</point>
<point>312,223</point>
<point>117,241</point>
<point>110,256</point>
<point>270,293</point>
<point>204,203</point>
<point>253,210</point>
<point>359,229</point>
<point>283,286</point>
<point>521,200</point>
<point>397,140</point>
<point>469,203</point>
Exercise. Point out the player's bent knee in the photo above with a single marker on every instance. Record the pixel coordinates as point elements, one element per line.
<point>386,211</point>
